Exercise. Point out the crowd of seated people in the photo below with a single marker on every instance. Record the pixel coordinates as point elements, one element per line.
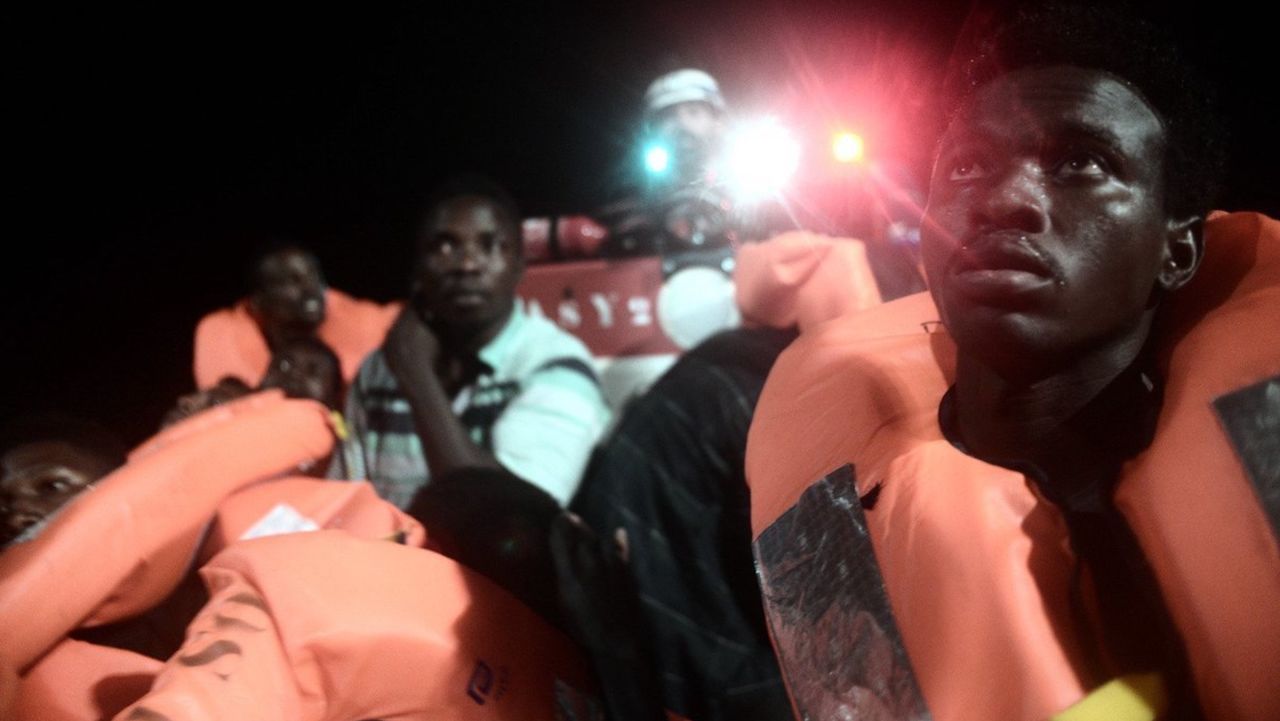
<point>1042,489</point>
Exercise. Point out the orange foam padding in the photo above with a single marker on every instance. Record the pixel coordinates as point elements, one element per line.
<point>79,681</point>
<point>123,546</point>
<point>803,279</point>
<point>326,626</point>
<point>228,342</point>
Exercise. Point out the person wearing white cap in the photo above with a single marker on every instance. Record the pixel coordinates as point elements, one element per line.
<point>686,110</point>
<point>684,124</point>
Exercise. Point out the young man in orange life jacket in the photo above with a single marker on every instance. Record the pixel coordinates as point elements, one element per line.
<point>1060,482</point>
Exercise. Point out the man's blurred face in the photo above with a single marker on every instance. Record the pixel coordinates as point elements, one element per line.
<point>468,266</point>
<point>1045,229</point>
<point>694,130</point>
<point>38,478</point>
<point>692,119</point>
<point>302,371</point>
<point>290,290</point>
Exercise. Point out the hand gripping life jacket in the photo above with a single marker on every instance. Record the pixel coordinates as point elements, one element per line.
<point>324,625</point>
<point>963,613</point>
<point>79,681</point>
<point>228,342</point>
<point>123,546</point>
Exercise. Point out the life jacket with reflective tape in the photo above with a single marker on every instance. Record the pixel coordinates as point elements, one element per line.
<point>229,343</point>
<point>967,613</point>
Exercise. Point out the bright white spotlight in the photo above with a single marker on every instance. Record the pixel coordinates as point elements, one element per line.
<point>761,157</point>
<point>657,159</point>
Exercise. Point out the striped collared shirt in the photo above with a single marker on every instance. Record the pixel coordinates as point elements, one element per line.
<point>536,405</point>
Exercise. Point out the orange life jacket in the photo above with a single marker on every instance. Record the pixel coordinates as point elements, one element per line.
<point>975,565</point>
<point>125,545</point>
<point>358,629</point>
<point>228,342</point>
<point>130,539</point>
<point>79,681</point>
<point>802,279</point>
<point>325,625</point>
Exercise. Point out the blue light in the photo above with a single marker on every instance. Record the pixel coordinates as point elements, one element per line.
<point>657,159</point>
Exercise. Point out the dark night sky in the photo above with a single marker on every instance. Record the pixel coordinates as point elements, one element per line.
<point>153,148</point>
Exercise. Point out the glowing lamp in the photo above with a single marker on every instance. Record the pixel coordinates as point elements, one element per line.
<point>847,148</point>
<point>760,159</point>
<point>657,159</point>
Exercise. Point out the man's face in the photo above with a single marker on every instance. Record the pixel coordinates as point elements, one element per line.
<point>38,478</point>
<point>468,266</point>
<point>693,128</point>
<point>290,291</point>
<point>1045,230</point>
<point>693,119</point>
<point>302,371</point>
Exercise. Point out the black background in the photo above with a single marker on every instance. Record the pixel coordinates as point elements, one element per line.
<point>150,149</point>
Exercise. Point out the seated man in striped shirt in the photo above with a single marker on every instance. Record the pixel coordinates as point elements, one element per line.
<point>465,380</point>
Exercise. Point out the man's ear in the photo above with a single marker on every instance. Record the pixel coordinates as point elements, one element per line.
<point>1183,251</point>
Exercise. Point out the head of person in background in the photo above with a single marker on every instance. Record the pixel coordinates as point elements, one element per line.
<point>468,260</point>
<point>684,112</point>
<point>303,367</point>
<point>286,293</point>
<point>45,462</point>
<point>228,389</point>
<point>306,368</point>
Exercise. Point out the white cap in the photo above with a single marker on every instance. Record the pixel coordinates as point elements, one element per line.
<point>682,86</point>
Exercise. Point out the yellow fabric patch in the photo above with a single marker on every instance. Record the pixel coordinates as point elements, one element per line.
<point>1136,697</point>
<point>339,425</point>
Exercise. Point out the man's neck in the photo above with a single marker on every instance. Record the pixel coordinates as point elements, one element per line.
<point>1050,420</point>
<point>460,361</point>
<point>280,335</point>
<point>466,342</point>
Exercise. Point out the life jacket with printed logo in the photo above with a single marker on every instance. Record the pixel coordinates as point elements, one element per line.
<point>326,625</point>
<point>323,603</point>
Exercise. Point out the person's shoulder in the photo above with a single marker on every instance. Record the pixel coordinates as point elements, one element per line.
<point>752,349</point>
<point>229,319</point>
<point>538,338</point>
<point>855,365</point>
<point>539,349</point>
<point>838,385</point>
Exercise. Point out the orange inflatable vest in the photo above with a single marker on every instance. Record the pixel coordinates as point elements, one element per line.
<point>975,566</point>
<point>338,606</point>
<point>228,342</point>
<point>324,625</point>
<point>78,681</point>
<point>800,279</point>
<point>144,521</point>
<point>127,543</point>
